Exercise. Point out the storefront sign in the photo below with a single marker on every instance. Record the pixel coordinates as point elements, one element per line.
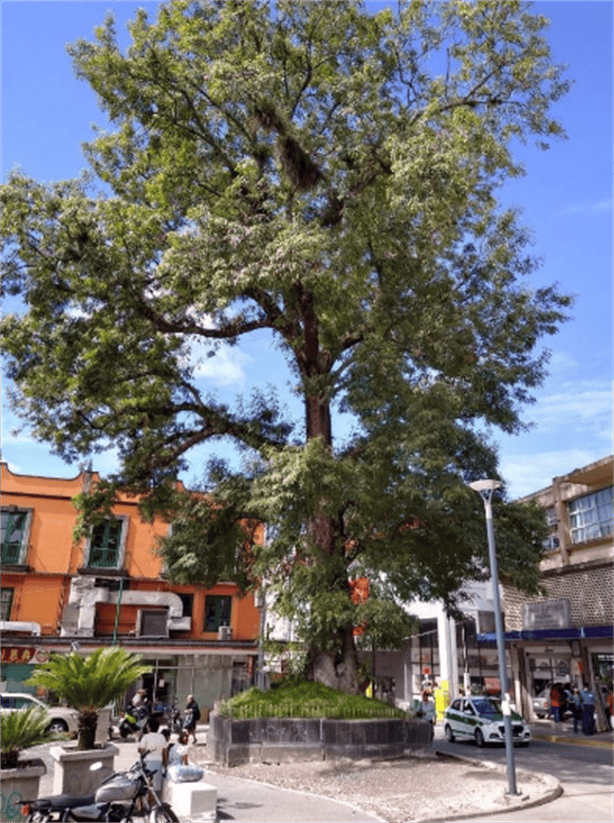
<point>551,614</point>
<point>23,654</point>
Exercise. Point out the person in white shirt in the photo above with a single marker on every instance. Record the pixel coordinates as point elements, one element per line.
<point>154,743</point>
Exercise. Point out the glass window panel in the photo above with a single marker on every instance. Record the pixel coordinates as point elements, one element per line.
<point>6,601</point>
<point>13,525</point>
<point>591,516</point>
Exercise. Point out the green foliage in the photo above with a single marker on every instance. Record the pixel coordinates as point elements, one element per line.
<point>297,698</point>
<point>20,730</point>
<point>330,177</point>
<point>89,683</point>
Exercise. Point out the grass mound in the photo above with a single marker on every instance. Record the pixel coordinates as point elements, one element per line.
<point>305,699</point>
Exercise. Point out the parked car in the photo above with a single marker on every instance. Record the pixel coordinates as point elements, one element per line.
<point>61,719</point>
<point>481,719</point>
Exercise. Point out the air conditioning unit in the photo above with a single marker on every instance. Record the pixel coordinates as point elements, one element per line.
<point>152,623</point>
<point>224,633</point>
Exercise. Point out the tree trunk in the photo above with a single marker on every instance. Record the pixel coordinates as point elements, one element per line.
<point>337,670</point>
<point>87,724</point>
<point>336,666</point>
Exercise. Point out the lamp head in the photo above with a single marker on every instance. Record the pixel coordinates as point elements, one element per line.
<point>485,485</point>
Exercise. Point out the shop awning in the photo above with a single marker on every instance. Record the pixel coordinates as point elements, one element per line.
<point>585,633</point>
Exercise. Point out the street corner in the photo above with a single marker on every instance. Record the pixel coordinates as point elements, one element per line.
<point>534,789</point>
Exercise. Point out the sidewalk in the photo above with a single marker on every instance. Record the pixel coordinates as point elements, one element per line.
<point>563,733</point>
<point>247,801</point>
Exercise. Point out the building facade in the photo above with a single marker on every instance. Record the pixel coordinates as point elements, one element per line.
<point>59,595</point>
<point>566,635</point>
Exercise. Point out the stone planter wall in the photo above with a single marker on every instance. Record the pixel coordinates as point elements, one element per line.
<point>277,740</point>
<point>17,785</point>
<point>72,773</point>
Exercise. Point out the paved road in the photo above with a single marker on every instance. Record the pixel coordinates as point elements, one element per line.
<point>584,772</point>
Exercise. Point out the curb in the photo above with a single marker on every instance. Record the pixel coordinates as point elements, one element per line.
<point>551,791</point>
<point>572,741</point>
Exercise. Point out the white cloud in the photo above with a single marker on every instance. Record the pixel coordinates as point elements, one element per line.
<point>528,473</point>
<point>224,368</point>
<point>577,404</point>
<point>589,209</point>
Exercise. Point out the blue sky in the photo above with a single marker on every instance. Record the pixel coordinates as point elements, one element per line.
<point>566,198</point>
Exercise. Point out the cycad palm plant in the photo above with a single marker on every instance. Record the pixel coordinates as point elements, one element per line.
<point>20,730</point>
<point>90,683</point>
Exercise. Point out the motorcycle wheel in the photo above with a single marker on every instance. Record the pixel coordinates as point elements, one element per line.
<point>163,814</point>
<point>124,731</point>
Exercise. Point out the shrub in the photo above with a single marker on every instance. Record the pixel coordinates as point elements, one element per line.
<point>305,699</point>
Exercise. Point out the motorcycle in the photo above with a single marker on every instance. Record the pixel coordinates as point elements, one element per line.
<point>118,799</point>
<point>172,717</point>
<point>134,721</point>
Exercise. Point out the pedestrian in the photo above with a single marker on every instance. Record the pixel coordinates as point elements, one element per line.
<point>153,746</point>
<point>191,716</point>
<point>609,702</point>
<point>555,703</point>
<point>427,707</point>
<point>576,707</point>
<point>588,710</point>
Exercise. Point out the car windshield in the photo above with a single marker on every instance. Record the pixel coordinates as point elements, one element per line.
<point>486,707</point>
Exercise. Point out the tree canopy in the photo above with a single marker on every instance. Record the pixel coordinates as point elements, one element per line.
<point>330,176</point>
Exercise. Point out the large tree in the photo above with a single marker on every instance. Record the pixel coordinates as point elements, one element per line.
<point>331,176</point>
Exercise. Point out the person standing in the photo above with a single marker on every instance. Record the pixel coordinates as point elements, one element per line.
<point>588,710</point>
<point>191,716</point>
<point>555,703</point>
<point>153,745</point>
<point>576,704</point>
<point>609,702</point>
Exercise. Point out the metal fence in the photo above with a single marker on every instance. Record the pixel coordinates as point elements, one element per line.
<point>307,709</point>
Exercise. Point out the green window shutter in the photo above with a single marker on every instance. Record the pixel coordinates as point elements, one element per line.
<point>105,545</point>
<point>217,612</point>
<point>13,532</point>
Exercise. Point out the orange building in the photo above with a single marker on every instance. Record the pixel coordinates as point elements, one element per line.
<point>58,595</point>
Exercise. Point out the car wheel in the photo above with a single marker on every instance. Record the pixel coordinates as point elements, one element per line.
<point>57,726</point>
<point>449,733</point>
<point>479,738</point>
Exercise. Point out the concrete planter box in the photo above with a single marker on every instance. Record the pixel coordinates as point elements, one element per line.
<point>72,773</point>
<point>290,739</point>
<point>17,785</point>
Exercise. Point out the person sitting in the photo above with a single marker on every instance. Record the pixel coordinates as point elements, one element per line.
<point>178,767</point>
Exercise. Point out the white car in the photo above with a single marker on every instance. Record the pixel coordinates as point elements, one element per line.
<point>61,719</point>
<point>480,719</point>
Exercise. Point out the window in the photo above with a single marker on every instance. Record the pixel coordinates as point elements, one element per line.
<point>217,611</point>
<point>590,516</point>
<point>188,603</point>
<point>6,601</point>
<point>15,530</point>
<point>106,545</point>
<point>551,543</point>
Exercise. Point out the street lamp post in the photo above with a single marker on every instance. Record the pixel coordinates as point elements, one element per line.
<point>485,489</point>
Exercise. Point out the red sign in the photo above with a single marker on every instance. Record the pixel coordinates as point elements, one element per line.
<point>426,670</point>
<point>22,654</point>
<point>15,654</point>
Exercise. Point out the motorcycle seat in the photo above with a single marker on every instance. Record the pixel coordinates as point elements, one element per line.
<point>57,802</point>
